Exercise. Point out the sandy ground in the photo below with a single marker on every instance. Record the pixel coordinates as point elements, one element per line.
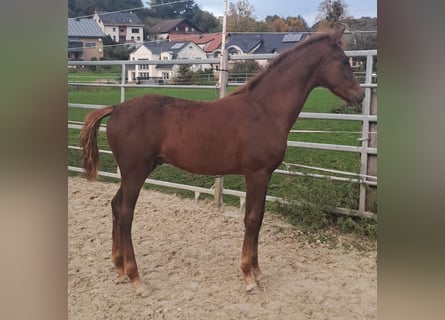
<point>188,256</point>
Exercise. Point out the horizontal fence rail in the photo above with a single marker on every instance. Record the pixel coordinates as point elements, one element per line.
<point>365,150</point>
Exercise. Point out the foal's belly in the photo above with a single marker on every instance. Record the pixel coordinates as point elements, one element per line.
<point>202,159</point>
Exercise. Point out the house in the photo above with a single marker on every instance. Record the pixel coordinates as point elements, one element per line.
<point>166,50</point>
<point>163,29</point>
<point>242,43</point>
<point>85,40</point>
<point>260,43</point>
<point>209,42</point>
<point>122,27</point>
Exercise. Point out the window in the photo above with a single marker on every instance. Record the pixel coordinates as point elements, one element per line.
<point>114,29</point>
<point>165,75</point>
<point>90,45</point>
<point>135,30</point>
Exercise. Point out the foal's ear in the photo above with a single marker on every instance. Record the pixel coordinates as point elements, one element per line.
<point>336,35</point>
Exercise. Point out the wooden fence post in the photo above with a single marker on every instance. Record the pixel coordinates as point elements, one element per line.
<point>223,91</point>
<point>223,75</point>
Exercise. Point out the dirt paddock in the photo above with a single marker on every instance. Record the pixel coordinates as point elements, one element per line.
<point>188,256</point>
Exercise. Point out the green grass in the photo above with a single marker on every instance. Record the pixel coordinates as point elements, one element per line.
<point>102,73</point>
<point>320,100</point>
<point>94,77</point>
<point>327,193</point>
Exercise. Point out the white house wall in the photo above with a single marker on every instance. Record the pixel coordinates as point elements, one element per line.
<point>189,51</point>
<point>193,51</point>
<point>135,36</point>
<point>141,54</point>
<point>113,31</point>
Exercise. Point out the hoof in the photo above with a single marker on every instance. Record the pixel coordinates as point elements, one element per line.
<point>141,291</point>
<point>139,288</point>
<point>258,275</point>
<point>251,286</point>
<point>121,279</point>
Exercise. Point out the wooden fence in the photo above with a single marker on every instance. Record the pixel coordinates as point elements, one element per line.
<point>367,177</point>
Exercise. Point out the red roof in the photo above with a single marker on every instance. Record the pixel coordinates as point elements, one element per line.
<point>209,41</point>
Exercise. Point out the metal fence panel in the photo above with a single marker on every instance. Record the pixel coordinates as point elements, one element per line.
<point>366,118</point>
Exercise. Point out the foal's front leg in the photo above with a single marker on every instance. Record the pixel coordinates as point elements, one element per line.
<point>256,188</point>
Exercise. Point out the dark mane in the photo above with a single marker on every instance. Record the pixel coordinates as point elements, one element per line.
<point>252,83</point>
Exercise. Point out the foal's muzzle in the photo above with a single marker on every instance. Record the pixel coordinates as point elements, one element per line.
<point>357,98</point>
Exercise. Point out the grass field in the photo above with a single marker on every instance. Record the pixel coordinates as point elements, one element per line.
<point>320,100</point>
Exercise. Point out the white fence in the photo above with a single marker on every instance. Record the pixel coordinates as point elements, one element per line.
<point>367,177</point>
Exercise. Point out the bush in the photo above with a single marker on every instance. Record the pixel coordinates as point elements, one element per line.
<point>204,77</point>
<point>346,109</point>
<point>185,75</point>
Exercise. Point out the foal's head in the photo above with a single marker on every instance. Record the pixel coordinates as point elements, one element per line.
<point>336,74</point>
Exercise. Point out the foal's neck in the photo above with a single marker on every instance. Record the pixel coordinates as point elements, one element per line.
<point>286,86</point>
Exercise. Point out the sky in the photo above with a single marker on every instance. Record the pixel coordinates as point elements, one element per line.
<point>308,9</point>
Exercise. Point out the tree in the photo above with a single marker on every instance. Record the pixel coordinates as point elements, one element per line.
<point>331,14</point>
<point>78,8</point>
<point>362,40</point>
<point>204,19</point>
<point>188,9</point>
<point>248,66</point>
<point>240,17</point>
<point>289,24</point>
<point>113,51</point>
<point>171,9</point>
<point>297,23</point>
<point>184,75</point>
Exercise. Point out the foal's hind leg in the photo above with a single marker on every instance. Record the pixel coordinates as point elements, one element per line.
<point>123,205</point>
<point>130,186</point>
<point>116,252</point>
